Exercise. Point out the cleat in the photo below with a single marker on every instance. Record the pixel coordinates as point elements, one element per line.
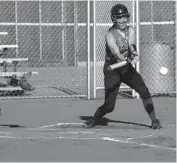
<point>90,123</point>
<point>156,124</point>
<point>95,122</point>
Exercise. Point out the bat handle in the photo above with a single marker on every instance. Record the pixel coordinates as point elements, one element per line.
<point>109,68</point>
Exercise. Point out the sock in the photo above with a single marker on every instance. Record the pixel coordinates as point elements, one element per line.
<point>148,104</point>
<point>100,112</point>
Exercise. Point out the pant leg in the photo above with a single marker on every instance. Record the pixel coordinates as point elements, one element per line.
<point>134,80</point>
<point>112,83</point>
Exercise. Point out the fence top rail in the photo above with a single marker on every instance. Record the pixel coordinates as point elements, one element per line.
<point>84,24</point>
<point>9,60</point>
<point>3,33</point>
<point>5,74</point>
<point>8,46</point>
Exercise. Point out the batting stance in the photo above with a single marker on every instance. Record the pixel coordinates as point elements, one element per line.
<point>120,46</point>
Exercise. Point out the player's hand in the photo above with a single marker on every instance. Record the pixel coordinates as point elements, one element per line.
<point>134,53</point>
<point>122,58</point>
<point>135,59</point>
<point>124,53</point>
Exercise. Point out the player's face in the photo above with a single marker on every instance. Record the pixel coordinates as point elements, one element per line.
<point>122,22</point>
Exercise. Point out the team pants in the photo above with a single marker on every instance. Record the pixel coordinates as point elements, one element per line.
<point>112,81</point>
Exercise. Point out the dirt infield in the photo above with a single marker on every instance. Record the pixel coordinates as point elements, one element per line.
<point>50,130</point>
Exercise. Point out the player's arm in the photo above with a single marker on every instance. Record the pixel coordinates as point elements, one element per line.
<point>111,42</point>
<point>132,44</point>
<point>132,40</point>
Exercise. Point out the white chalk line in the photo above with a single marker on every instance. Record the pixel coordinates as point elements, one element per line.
<point>92,132</point>
<point>5,132</point>
<point>46,127</point>
<point>48,138</point>
<point>77,124</point>
<point>135,143</point>
<point>141,137</point>
<point>80,138</point>
<point>53,129</point>
<point>102,138</point>
<point>72,132</point>
<point>60,124</point>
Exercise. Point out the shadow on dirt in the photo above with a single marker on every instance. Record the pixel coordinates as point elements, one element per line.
<point>104,121</point>
<point>11,126</point>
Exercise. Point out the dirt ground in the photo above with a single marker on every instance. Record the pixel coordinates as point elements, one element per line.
<point>50,130</point>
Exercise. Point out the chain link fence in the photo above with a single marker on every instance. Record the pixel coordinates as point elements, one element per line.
<point>52,35</point>
<point>102,24</point>
<point>157,46</point>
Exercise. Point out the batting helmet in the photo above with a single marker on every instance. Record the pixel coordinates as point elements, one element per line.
<point>119,11</point>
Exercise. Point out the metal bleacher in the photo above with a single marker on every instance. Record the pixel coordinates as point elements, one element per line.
<point>5,62</point>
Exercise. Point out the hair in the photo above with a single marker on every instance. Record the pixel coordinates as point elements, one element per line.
<point>112,27</point>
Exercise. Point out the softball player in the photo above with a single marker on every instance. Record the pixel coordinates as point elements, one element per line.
<point>12,81</point>
<point>120,46</point>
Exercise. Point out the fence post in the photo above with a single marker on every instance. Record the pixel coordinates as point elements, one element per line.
<point>138,37</point>
<point>88,48</point>
<point>94,49</point>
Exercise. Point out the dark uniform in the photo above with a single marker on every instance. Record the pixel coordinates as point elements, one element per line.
<point>113,79</point>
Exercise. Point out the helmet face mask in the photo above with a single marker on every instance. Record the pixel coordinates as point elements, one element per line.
<point>120,16</point>
<point>121,22</point>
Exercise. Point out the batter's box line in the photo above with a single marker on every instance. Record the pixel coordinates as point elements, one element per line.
<point>72,132</point>
<point>92,138</point>
<point>48,138</point>
<point>136,143</point>
<point>92,132</point>
<point>71,124</point>
<point>61,125</point>
<point>143,136</point>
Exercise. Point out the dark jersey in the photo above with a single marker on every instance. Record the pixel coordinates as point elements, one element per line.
<point>121,42</point>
